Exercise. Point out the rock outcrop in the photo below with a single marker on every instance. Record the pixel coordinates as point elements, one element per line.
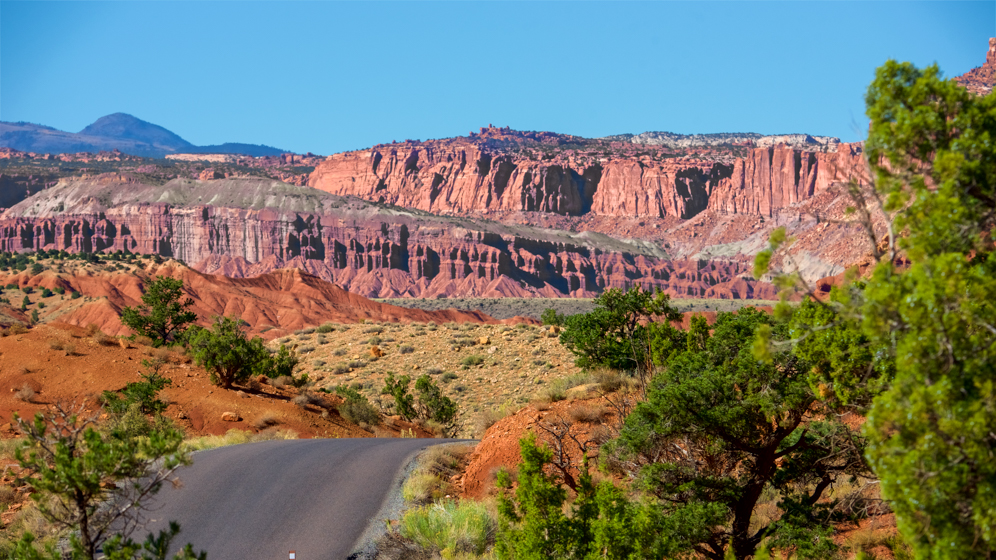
<point>981,80</point>
<point>247,227</point>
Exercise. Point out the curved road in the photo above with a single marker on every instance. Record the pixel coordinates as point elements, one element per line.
<point>262,500</point>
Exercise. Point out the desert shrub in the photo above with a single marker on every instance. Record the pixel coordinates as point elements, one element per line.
<point>17,329</point>
<point>551,317</point>
<point>265,421</point>
<point>55,344</point>
<point>406,349</point>
<point>356,408</point>
<point>374,340</point>
<point>232,357</point>
<point>340,369</point>
<point>538,362</point>
<point>428,403</point>
<point>237,437</point>
<point>357,364</point>
<point>373,330</point>
<point>282,382</point>
<point>305,398</point>
<point>326,328</point>
<point>472,360</point>
<point>487,418</point>
<point>340,352</point>
<point>447,377</point>
<point>143,394</point>
<point>434,370</point>
<point>25,394</point>
<point>46,293</point>
<point>304,331</point>
<point>586,413</point>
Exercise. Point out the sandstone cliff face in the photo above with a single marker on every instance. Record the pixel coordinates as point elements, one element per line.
<point>774,178</point>
<point>367,249</point>
<point>479,176</point>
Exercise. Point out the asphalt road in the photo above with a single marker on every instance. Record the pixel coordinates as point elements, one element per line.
<point>260,501</point>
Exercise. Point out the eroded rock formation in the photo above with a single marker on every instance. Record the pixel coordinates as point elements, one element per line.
<point>247,227</point>
<point>498,172</point>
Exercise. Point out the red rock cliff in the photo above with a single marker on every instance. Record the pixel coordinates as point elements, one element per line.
<point>479,175</point>
<point>774,178</point>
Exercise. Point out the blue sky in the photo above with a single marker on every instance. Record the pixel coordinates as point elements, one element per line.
<point>332,76</point>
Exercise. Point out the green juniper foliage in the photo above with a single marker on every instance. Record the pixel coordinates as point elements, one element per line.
<point>163,316</point>
<point>232,357</point>
<point>720,428</point>
<point>601,523</point>
<point>70,464</point>
<point>917,338</point>
<point>428,403</point>
<point>932,149</point>
<point>618,333</point>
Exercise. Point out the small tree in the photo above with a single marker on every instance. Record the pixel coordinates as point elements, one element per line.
<point>233,357</point>
<point>162,316</point>
<point>78,473</point>
<point>720,428</point>
<point>144,393</point>
<point>616,333</point>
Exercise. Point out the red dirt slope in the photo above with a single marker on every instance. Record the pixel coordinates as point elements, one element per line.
<point>273,304</point>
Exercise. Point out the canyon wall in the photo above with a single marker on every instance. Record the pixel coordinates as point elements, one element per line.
<point>774,178</point>
<point>368,249</point>
<point>461,176</point>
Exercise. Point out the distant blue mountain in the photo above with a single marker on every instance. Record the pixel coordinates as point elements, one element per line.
<point>118,131</point>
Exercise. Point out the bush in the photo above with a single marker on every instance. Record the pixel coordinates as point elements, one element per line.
<point>356,408</point>
<point>430,403</point>
<point>326,328</point>
<point>232,357</point>
<point>472,360</point>
<point>434,371</point>
<point>406,349</point>
<point>143,394</point>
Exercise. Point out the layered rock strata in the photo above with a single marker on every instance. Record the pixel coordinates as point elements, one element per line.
<point>247,227</point>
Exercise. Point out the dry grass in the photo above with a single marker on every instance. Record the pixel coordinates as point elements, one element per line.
<point>265,421</point>
<point>305,398</point>
<point>586,413</point>
<point>25,394</point>
<point>236,437</point>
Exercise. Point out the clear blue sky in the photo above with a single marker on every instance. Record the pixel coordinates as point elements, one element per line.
<point>330,76</point>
